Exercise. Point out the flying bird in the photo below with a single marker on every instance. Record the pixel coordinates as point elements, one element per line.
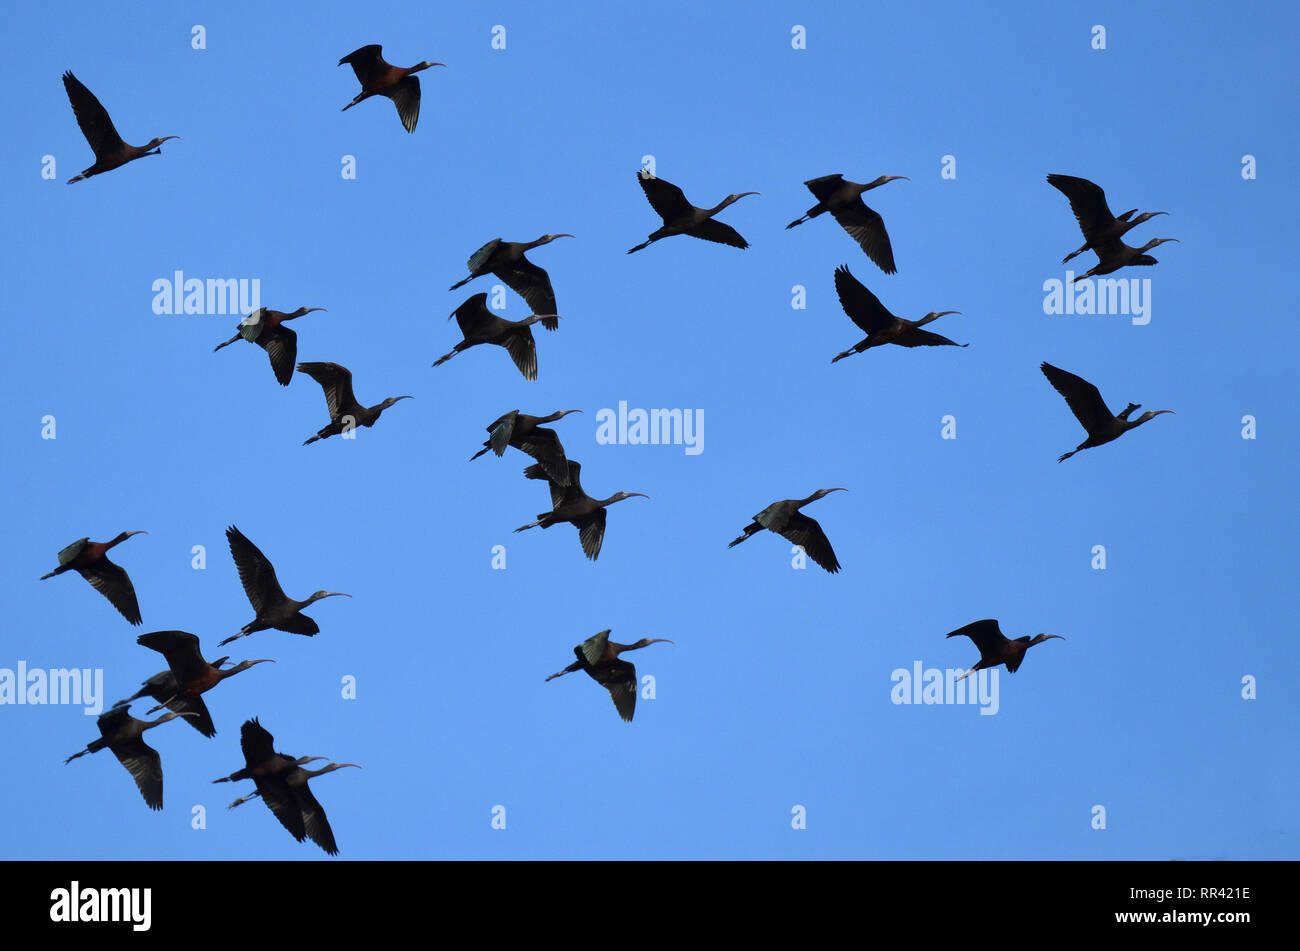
<point>1099,226</point>
<point>1091,410</point>
<point>269,771</point>
<point>681,217</point>
<point>89,560</point>
<point>110,151</point>
<point>124,735</point>
<point>526,434</point>
<point>880,326</point>
<point>786,520</point>
<point>598,656</point>
<point>191,675</point>
<point>315,823</point>
<point>265,328</point>
<point>996,648</point>
<point>570,504</point>
<point>379,78</point>
<point>843,200</point>
<point>479,325</point>
<point>345,412</point>
<point>506,260</point>
<point>274,608</point>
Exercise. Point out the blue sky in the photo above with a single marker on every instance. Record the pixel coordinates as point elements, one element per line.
<point>777,692</point>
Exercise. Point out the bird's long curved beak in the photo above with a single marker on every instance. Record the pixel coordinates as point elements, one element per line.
<point>945,313</point>
<point>336,594</point>
<point>641,494</point>
<point>139,532</point>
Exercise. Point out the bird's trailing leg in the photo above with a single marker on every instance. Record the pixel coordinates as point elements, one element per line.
<point>576,665</point>
<point>524,528</point>
<point>242,799</point>
<point>749,530</point>
<point>235,637</point>
<point>227,343</point>
<point>643,244</point>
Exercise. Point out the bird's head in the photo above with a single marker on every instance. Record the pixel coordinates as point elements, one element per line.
<point>425,65</point>
<point>740,195</point>
<point>620,496</point>
<point>885,179</point>
<point>820,493</point>
<point>1147,216</point>
<point>125,535</point>
<point>548,238</point>
<point>1044,637</point>
<point>245,664</point>
<point>300,311</point>
<point>393,399</point>
<point>1150,414</point>
<point>154,145</point>
<point>646,641</point>
<point>327,594</point>
<point>561,413</point>
<point>1155,243</point>
<point>935,315</point>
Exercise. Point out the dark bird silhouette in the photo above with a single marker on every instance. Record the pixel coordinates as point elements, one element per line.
<point>1091,410</point>
<point>191,675</point>
<point>315,823</point>
<point>843,200</point>
<point>526,434</point>
<point>570,504</point>
<point>274,608</point>
<point>598,656</point>
<point>479,325</point>
<point>345,412</point>
<point>379,78</point>
<point>786,520</point>
<point>1099,226</point>
<point>1115,254</point>
<point>89,560</point>
<point>162,686</point>
<point>110,151</point>
<point>506,260</point>
<point>996,648</point>
<point>880,326</point>
<point>266,328</point>
<point>681,217</point>
<point>124,735</point>
<point>269,771</point>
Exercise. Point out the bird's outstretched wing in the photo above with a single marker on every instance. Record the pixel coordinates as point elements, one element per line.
<point>665,198</point>
<point>368,63</point>
<point>718,232</point>
<point>619,678</point>
<point>93,118</point>
<point>862,306</point>
<point>924,338</point>
<point>986,634</point>
<point>808,535</point>
<point>336,381</point>
<point>1083,398</point>
<point>282,347</point>
<point>523,351</point>
<point>824,188</point>
<point>181,649</point>
<point>406,97</point>
<point>255,571</point>
<point>544,446</point>
<point>499,432</point>
<point>112,581</point>
<point>1088,202</point>
<point>145,766</point>
<point>865,226</point>
<point>315,823</point>
<point>533,284</point>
